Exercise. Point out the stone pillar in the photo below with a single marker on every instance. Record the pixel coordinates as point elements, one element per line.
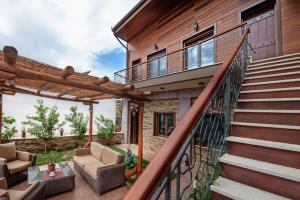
<point>184,105</point>
<point>125,119</point>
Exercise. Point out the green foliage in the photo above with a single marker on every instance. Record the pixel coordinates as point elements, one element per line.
<point>77,122</point>
<point>105,128</point>
<point>9,130</point>
<point>44,123</point>
<point>118,107</point>
<point>54,156</point>
<point>130,161</point>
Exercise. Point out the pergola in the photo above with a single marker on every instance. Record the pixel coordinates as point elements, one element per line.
<point>23,75</point>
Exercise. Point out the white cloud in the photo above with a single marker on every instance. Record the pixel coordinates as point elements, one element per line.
<point>62,32</point>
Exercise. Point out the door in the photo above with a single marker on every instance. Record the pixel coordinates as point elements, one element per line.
<point>261,21</point>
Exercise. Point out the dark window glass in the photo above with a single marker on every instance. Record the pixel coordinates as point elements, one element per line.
<point>164,123</point>
<point>134,70</point>
<point>157,65</point>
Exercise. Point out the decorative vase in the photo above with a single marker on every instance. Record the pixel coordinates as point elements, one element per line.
<point>51,167</point>
<point>61,131</point>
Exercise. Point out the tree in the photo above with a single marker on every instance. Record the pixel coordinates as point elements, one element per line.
<point>44,123</point>
<point>9,130</point>
<point>77,122</point>
<point>105,128</point>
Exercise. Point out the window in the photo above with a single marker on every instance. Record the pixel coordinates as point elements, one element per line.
<point>134,69</point>
<point>164,124</point>
<point>157,65</point>
<point>202,54</point>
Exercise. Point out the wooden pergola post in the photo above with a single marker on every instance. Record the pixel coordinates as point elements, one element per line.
<point>1,100</point>
<point>140,140</point>
<point>91,123</point>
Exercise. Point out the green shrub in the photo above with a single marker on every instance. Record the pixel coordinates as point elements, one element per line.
<point>44,123</point>
<point>9,130</point>
<point>105,128</point>
<point>77,122</point>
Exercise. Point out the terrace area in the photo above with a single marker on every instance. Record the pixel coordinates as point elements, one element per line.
<point>48,166</point>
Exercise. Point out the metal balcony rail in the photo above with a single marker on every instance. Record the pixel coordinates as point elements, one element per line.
<point>187,164</point>
<point>207,52</point>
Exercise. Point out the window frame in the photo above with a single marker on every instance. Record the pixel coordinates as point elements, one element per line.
<point>191,41</point>
<point>156,123</point>
<point>134,71</point>
<point>157,55</point>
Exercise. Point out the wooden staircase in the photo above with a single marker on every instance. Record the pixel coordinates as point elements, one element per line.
<point>263,157</point>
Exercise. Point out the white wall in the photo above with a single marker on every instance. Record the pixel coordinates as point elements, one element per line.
<point>20,105</point>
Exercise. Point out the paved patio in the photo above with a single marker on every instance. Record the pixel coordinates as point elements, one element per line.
<point>83,191</point>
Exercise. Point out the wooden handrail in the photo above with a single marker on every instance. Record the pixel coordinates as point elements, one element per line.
<point>182,49</point>
<point>145,184</point>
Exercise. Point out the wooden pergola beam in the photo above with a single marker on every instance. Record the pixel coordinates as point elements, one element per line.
<point>66,72</point>
<point>99,81</point>
<point>89,96</point>
<point>25,91</point>
<point>33,75</point>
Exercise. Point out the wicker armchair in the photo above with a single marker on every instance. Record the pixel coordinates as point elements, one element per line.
<point>14,164</point>
<point>35,192</point>
<point>102,168</point>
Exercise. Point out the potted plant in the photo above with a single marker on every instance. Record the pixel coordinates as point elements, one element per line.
<point>105,129</point>
<point>51,166</point>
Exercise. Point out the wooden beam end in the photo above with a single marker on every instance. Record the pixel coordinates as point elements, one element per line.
<point>10,55</point>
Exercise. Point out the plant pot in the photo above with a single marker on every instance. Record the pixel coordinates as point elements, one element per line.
<point>51,168</point>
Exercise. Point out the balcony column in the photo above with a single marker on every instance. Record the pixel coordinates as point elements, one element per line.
<point>140,140</point>
<point>125,120</point>
<point>91,123</point>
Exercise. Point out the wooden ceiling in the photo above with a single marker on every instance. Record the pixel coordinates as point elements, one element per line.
<point>23,75</point>
<point>146,13</point>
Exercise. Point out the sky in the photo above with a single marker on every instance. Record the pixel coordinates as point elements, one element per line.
<point>61,33</point>
<point>66,32</point>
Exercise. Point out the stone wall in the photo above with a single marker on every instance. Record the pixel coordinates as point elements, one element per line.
<point>59,143</point>
<point>152,142</point>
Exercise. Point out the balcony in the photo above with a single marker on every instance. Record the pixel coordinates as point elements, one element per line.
<point>197,61</point>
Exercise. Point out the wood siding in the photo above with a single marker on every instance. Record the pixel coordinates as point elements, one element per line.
<point>171,30</point>
<point>290,23</point>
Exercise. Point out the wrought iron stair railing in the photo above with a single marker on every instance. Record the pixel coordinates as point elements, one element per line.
<point>187,164</point>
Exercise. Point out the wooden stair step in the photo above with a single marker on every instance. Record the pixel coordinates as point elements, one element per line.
<point>275,58</point>
<point>265,143</point>
<point>272,65</point>
<point>263,150</point>
<point>273,71</point>
<point>270,103</point>
<point>285,134</point>
<point>253,65</point>
<point>289,92</point>
<point>239,191</point>
<point>271,84</point>
<point>263,167</point>
<point>272,77</point>
<point>282,117</point>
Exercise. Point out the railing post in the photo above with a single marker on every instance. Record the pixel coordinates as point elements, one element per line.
<point>178,183</point>
<point>168,186</point>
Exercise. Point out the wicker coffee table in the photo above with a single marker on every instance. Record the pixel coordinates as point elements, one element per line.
<point>64,180</point>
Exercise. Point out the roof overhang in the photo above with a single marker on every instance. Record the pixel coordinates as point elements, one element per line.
<point>144,13</point>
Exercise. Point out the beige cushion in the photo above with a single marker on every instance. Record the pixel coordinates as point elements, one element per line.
<point>20,195</point>
<point>22,155</point>
<point>92,168</point>
<point>83,160</point>
<point>96,150</point>
<point>18,166</point>
<point>3,193</point>
<point>81,152</point>
<point>110,157</point>
<point>8,151</point>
